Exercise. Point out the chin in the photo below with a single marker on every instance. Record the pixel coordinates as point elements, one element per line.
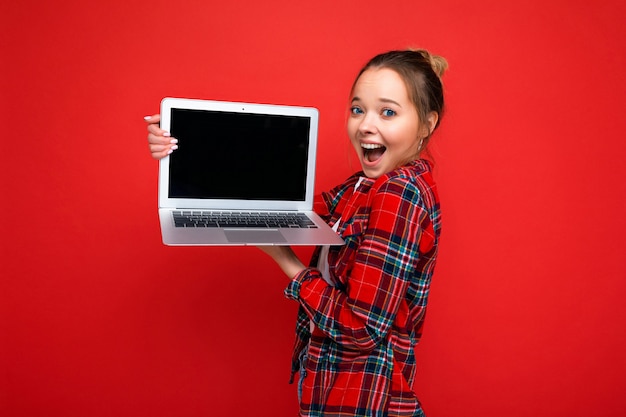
<point>372,172</point>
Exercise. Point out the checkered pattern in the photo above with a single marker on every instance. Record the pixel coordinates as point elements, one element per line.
<point>360,359</point>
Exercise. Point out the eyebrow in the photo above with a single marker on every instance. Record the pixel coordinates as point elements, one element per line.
<point>384,100</point>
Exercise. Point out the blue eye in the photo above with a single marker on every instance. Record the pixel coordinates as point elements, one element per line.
<point>356,110</point>
<point>388,113</point>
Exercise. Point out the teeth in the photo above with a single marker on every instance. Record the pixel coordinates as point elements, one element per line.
<point>371,145</point>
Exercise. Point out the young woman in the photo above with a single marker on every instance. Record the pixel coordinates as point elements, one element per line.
<point>362,305</point>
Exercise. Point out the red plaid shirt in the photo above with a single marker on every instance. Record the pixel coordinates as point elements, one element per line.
<point>360,359</point>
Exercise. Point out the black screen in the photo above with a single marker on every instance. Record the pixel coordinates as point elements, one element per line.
<point>238,156</point>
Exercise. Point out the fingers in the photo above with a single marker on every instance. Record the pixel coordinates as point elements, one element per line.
<point>155,118</point>
<point>160,142</point>
<point>158,151</point>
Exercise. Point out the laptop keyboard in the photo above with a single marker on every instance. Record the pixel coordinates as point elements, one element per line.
<point>196,218</point>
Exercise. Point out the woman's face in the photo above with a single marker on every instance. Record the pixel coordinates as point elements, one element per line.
<point>383,125</point>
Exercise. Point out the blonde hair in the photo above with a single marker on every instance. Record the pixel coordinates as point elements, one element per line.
<point>438,63</point>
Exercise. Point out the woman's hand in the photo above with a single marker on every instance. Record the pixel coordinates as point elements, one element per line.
<point>159,141</point>
<point>285,258</point>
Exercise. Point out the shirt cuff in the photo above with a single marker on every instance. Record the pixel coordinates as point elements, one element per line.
<point>293,289</point>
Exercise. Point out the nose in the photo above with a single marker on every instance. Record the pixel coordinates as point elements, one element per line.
<point>368,126</point>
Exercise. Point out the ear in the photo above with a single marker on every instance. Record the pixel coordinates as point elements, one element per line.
<point>433,118</point>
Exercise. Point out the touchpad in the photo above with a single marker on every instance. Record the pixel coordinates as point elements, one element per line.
<point>254,236</point>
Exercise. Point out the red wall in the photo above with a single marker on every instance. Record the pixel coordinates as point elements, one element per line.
<point>97,318</point>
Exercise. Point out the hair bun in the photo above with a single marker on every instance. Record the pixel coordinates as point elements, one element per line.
<point>438,63</point>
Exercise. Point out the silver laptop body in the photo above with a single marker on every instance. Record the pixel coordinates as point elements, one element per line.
<point>243,175</point>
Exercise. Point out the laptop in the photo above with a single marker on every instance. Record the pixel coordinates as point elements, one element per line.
<point>243,175</point>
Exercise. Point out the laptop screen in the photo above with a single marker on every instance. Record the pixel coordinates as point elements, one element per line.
<point>229,155</point>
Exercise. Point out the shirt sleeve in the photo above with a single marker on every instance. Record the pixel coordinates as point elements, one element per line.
<point>360,316</point>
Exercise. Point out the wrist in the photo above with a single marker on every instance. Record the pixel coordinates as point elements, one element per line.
<point>291,264</point>
<point>286,259</point>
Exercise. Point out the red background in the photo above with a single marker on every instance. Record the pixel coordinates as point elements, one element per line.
<point>97,318</point>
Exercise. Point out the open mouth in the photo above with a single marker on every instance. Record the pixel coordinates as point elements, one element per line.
<point>372,152</point>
